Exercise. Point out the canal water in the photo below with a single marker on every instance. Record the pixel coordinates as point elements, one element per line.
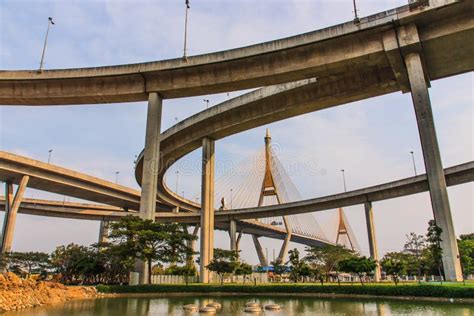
<point>232,306</point>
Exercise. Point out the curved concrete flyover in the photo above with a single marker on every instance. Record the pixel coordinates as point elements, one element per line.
<point>119,200</point>
<point>98,212</point>
<point>455,175</point>
<point>55,179</point>
<point>444,28</point>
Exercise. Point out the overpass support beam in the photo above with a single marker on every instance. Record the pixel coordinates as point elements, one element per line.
<point>207,208</point>
<point>192,245</point>
<point>151,165</point>
<point>286,242</point>
<point>433,165</point>
<point>374,254</point>
<point>261,255</point>
<point>104,231</point>
<point>237,242</point>
<point>12,204</point>
<point>233,235</point>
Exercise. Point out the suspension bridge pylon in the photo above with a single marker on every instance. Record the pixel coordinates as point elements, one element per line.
<point>270,188</point>
<point>344,234</point>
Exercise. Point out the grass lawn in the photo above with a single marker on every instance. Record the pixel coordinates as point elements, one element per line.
<point>447,290</point>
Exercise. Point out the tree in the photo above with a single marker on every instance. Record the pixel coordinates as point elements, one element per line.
<point>224,262</point>
<point>278,267</point>
<point>394,264</point>
<point>186,271</point>
<point>243,269</point>
<point>66,261</point>
<point>433,238</point>
<point>327,257</point>
<point>31,261</point>
<point>466,253</point>
<point>415,245</point>
<point>298,266</point>
<point>359,265</point>
<point>151,241</point>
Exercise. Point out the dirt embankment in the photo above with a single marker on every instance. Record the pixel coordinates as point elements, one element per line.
<point>16,293</point>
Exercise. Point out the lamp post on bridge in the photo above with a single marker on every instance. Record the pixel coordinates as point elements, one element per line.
<point>50,22</point>
<point>344,179</point>
<point>207,103</point>
<point>49,155</point>
<point>185,57</point>
<point>413,159</point>
<point>356,17</point>
<point>116,176</point>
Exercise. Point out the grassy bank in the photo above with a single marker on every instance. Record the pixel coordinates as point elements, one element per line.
<point>446,291</point>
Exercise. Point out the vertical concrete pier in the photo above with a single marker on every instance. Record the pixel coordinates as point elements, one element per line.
<point>233,235</point>
<point>12,204</point>
<point>192,245</point>
<point>207,208</point>
<point>151,165</point>
<point>286,242</point>
<point>374,254</point>
<point>104,231</point>
<point>261,255</point>
<point>433,165</point>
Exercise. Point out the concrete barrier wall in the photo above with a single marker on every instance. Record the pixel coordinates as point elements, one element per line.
<point>259,278</point>
<point>173,279</point>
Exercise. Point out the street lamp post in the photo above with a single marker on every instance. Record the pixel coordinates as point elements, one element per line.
<point>50,22</point>
<point>413,159</point>
<point>186,30</point>
<point>356,17</point>
<point>207,103</point>
<point>116,176</point>
<point>231,198</point>
<point>344,179</point>
<point>49,155</point>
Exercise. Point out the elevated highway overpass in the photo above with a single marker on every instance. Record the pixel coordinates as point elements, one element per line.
<point>444,27</point>
<point>397,50</point>
<point>455,175</point>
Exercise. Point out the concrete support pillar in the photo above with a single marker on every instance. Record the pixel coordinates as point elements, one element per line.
<point>151,165</point>
<point>433,166</point>
<point>104,231</point>
<point>192,245</point>
<point>261,255</point>
<point>286,242</point>
<point>12,204</point>
<point>374,254</point>
<point>237,242</point>
<point>207,208</point>
<point>233,235</point>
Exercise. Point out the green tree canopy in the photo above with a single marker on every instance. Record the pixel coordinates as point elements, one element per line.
<point>151,241</point>
<point>395,264</point>
<point>359,265</point>
<point>326,258</point>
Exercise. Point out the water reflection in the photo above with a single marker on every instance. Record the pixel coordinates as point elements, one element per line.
<point>234,306</point>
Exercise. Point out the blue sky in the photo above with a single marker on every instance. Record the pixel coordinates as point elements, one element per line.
<point>370,139</point>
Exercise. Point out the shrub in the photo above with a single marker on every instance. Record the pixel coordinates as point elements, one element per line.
<point>452,291</point>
